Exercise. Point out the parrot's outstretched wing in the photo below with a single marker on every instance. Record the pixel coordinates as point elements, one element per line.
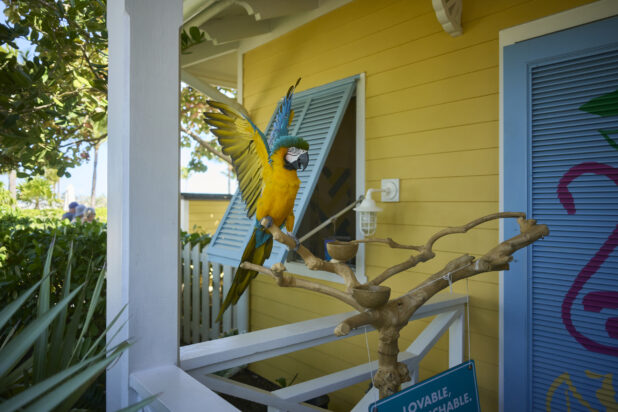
<point>246,145</point>
<point>284,116</point>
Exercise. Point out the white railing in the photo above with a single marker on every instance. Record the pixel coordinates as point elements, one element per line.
<point>203,285</point>
<point>202,360</point>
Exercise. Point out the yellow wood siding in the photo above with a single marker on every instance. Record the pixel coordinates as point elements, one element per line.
<point>205,215</point>
<point>432,121</point>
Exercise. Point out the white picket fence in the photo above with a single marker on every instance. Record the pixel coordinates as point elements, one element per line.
<point>203,285</point>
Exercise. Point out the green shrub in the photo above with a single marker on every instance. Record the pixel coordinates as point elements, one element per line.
<point>194,238</point>
<point>24,241</point>
<point>26,237</point>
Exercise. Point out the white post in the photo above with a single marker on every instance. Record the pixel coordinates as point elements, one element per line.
<point>143,176</point>
<point>184,214</point>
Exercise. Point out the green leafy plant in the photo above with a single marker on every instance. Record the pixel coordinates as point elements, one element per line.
<point>283,382</point>
<point>50,362</point>
<point>192,38</point>
<point>194,238</point>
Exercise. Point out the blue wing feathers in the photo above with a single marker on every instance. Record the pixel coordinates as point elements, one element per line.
<point>280,124</point>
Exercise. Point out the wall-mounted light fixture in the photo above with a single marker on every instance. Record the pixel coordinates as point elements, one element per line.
<point>368,209</point>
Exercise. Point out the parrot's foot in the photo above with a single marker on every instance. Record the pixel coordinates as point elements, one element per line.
<point>295,241</point>
<point>266,222</point>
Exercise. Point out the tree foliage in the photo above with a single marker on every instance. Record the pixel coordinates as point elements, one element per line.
<point>193,105</point>
<point>53,97</point>
<point>53,101</point>
<point>36,191</point>
<point>5,197</point>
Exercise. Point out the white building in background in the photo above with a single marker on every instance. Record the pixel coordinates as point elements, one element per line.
<point>69,196</point>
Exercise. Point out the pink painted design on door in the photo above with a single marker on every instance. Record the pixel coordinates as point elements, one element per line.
<point>594,301</point>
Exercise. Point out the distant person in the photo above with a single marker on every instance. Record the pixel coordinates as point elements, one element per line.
<point>79,213</point>
<point>71,213</point>
<point>89,214</point>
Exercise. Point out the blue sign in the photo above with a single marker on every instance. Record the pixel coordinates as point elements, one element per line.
<point>451,390</point>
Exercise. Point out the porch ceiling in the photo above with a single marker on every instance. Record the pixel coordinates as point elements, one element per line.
<point>229,23</point>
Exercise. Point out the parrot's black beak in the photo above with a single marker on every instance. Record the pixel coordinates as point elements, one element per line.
<point>299,160</point>
<point>303,161</point>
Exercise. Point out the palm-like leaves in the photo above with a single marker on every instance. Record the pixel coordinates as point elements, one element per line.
<point>48,365</point>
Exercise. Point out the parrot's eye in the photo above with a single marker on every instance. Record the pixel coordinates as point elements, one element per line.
<point>294,151</point>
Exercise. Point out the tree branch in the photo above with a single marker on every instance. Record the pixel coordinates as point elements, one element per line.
<point>45,106</point>
<point>426,251</point>
<point>94,140</point>
<point>289,281</point>
<point>313,262</point>
<point>207,146</point>
<point>399,310</point>
<point>390,242</point>
<point>90,66</point>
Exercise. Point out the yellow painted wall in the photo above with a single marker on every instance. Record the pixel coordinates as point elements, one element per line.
<point>432,121</point>
<point>205,214</point>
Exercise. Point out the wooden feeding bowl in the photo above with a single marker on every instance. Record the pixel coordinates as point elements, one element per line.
<point>371,296</point>
<point>341,251</point>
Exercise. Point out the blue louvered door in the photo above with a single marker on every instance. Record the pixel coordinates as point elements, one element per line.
<point>317,116</point>
<point>561,167</point>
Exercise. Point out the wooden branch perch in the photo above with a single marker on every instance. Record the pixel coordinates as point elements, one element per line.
<point>426,252</point>
<point>390,242</point>
<point>401,309</point>
<point>390,317</point>
<point>289,281</point>
<point>313,262</point>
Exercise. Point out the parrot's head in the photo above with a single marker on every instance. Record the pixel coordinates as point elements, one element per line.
<point>297,152</point>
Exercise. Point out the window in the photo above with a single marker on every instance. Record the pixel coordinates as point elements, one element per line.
<point>335,189</point>
<point>326,117</point>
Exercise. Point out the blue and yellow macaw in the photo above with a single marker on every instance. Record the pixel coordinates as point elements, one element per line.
<point>267,178</point>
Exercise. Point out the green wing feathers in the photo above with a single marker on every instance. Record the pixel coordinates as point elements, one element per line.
<point>243,277</point>
<point>246,145</point>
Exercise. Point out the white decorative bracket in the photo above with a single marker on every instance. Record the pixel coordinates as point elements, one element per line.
<point>448,13</point>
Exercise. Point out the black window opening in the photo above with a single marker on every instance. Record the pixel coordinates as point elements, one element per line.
<point>335,189</point>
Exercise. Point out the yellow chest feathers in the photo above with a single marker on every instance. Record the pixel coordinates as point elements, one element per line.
<point>279,193</point>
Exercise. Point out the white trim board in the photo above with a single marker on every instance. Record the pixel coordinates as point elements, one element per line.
<point>560,21</point>
<point>288,24</point>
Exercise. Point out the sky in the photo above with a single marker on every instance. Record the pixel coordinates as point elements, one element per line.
<point>214,180</point>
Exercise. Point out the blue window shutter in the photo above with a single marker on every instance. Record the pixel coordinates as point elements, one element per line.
<point>563,137</point>
<point>553,339</point>
<point>317,116</point>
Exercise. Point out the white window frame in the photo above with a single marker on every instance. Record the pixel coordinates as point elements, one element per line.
<point>299,268</point>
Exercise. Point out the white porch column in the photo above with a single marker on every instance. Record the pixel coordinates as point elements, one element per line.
<point>143,180</point>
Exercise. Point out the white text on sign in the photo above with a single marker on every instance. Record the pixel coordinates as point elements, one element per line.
<point>439,401</point>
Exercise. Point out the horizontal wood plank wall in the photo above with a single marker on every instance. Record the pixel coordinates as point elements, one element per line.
<point>431,120</point>
<point>205,215</point>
